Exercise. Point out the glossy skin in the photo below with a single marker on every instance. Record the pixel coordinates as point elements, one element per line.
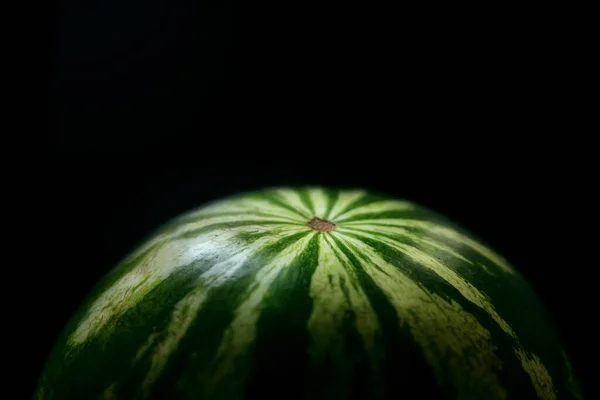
<point>310,293</point>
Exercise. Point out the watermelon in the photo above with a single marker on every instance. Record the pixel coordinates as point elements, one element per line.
<point>310,293</point>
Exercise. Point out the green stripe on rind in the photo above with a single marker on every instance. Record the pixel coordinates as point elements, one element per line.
<point>444,331</point>
<point>394,342</point>
<point>305,198</point>
<point>449,275</point>
<point>242,332</point>
<point>203,297</point>
<point>230,225</point>
<point>105,367</point>
<point>345,198</point>
<point>293,197</point>
<point>520,310</point>
<point>201,226</point>
<point>358,203</point>
<point>332,197</point>
<point>410,238</point>
<point>378,209</point>
<point>252,203</point>
<point>150,270</point>
<point>335,291</point>
<point>435,230</point>
<point>320,200</point>
<point>212,322</point>
<point>280,340</point>
<point>197,218</point>
<point>531,364</point>
<point>276,201</point>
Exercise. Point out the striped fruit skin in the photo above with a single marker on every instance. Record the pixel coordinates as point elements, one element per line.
<point>242,298</point>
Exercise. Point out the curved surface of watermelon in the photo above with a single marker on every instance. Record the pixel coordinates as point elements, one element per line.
<point>310,293</point>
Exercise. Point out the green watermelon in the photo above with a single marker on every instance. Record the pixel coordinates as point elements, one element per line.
<point>310,293</point>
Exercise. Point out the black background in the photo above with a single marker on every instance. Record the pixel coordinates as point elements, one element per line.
<point>157,107</point>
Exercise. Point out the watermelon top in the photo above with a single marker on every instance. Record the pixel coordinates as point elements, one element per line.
<point>310,293</point>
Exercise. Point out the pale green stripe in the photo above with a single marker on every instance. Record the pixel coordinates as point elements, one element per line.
<point>292,198</point>
<point>345,198</point>
<point>540,378</point>
<point>465,288</point>
<point>182,317</point>
<point>245,204</point>
<point>377,207</point>
<point>452,340</point>
<point>192,226</point>
<point>157,266</point>
<point>319,199</point>
<point>267,215</point>
<point>129,290</point>
<point>180,230</point>
<point>531,363</point>
<point>447,233</point>
<point>330,303</point>
<point>187,309</point>
<point>241,333</point>
<point>405,233</point>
